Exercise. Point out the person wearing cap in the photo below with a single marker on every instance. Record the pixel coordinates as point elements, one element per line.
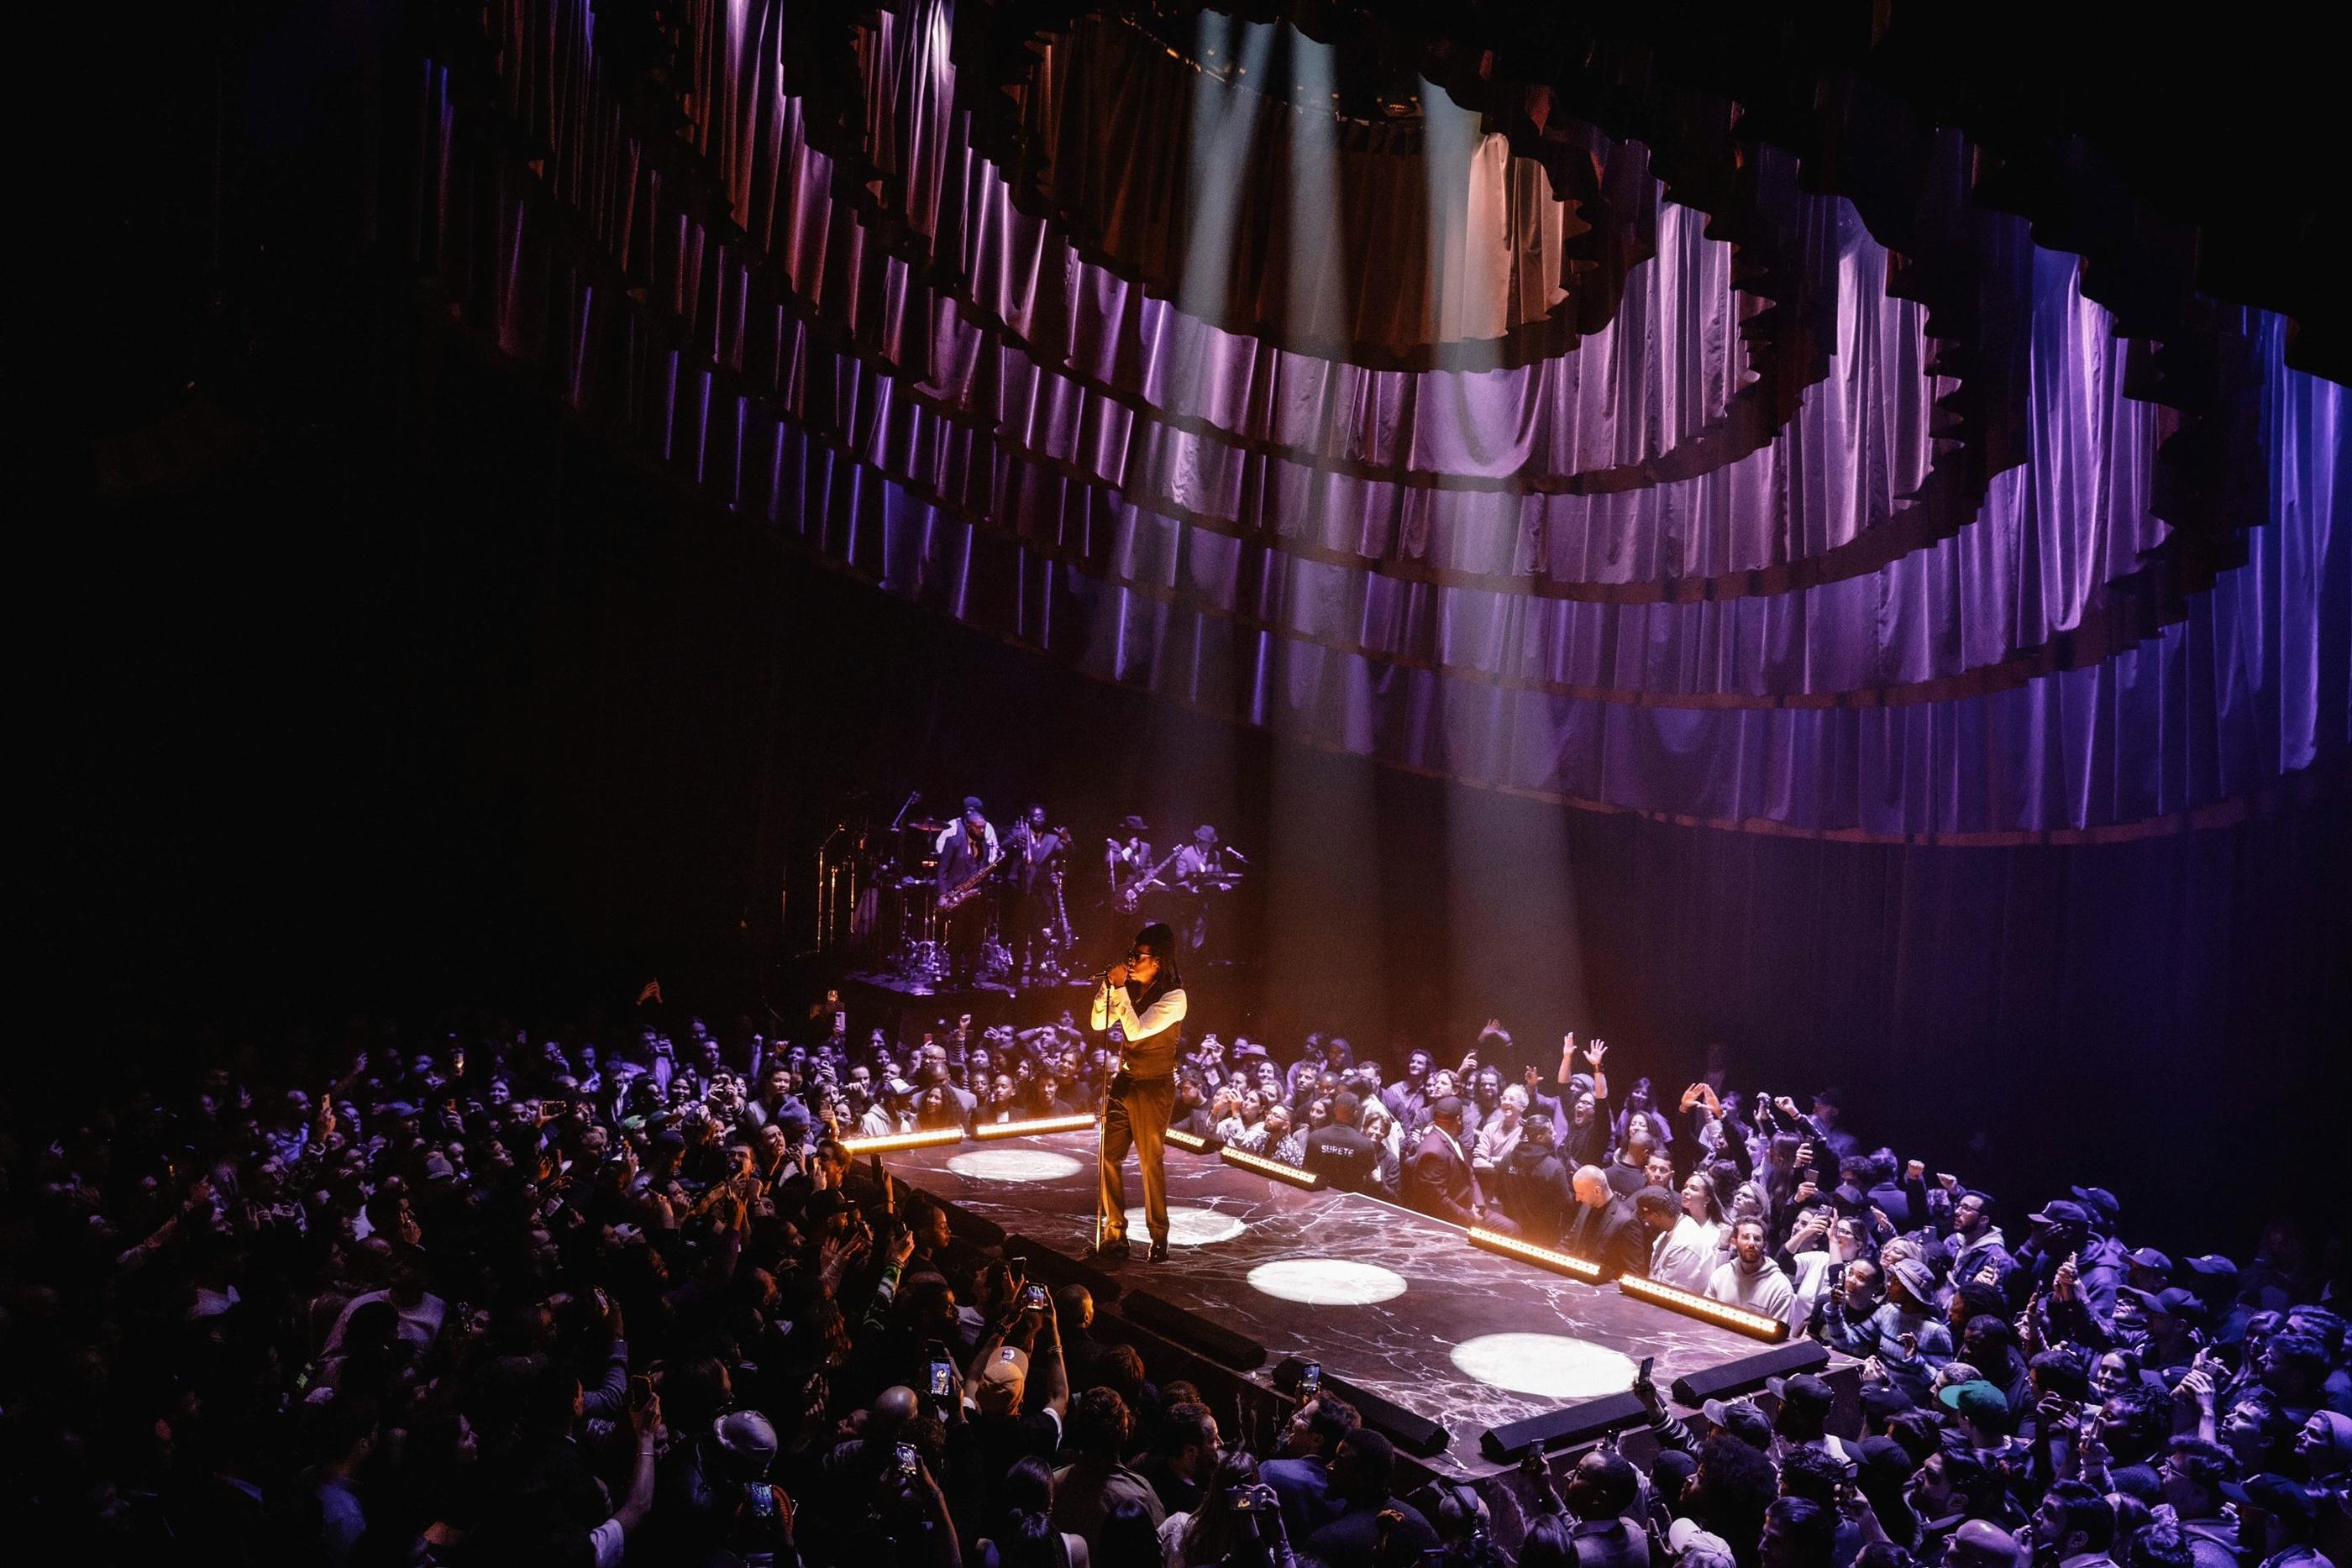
<point>1914,1340</point>
<point>2147,1269</point>
<point>1802,1419</point>
<point>2285,1519</point>
<point>1201,859</point>
<point>1980,1413</point>
<point>2215,1280</point>
<point>2173,1317</point>
<point>966,847</point>
<point>1601,1495</point>
<point>2077,1272</point>
<point>1141,1002</point>
<point>1741,1418</point>
<point>754,1515</point>
<point>1370,1514</point>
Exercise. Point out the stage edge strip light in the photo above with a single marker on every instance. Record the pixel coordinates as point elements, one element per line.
<point>1193,1141</point>
<point>1567,1263</point>
<point>1274,1168</point>
<point>903,1141</point>
<point>1739,1320</point>
<point>1026,1129</point>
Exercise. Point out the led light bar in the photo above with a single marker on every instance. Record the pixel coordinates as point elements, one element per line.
<point>1567,1263</point>
<point>889,1141</point>
<point>1274,1168</point>
<point>1026,1129</point>
<point>1193,1141</point>
<point>1739,1320</point>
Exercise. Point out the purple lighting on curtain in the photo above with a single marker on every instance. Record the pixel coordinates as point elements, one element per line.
<point>1947,588</point>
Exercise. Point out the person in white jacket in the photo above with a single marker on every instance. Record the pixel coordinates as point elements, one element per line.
<point>1687,1256</point>
<point>1750,1279</point>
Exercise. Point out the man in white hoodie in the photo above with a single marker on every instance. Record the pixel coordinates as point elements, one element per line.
<point>1750,1279</point>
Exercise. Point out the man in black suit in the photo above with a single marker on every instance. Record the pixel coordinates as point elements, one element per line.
<point>1604,1230</point>
<point>1437,1179</point>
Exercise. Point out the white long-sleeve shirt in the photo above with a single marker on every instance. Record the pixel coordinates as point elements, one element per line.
<point>1113,1006</point>
<point>1687,1256</point>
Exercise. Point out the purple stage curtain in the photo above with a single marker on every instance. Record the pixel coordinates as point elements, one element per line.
<point>1944,593</point>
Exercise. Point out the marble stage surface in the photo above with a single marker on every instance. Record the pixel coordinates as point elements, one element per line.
<point>1389,1299</point>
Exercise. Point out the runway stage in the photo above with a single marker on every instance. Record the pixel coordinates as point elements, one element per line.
<point>1388,1299</point>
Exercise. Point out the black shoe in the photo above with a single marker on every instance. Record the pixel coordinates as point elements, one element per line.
<point>1158,1253</point>
<point>1115,1250</point>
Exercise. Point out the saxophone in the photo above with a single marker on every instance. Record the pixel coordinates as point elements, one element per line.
<point>963,891</point>
<point>1064,938</point>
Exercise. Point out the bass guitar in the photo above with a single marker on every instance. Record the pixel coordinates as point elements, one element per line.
<point>1132,894</point>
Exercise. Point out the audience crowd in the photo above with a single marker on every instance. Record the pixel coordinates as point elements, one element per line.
<point>498,1299</point>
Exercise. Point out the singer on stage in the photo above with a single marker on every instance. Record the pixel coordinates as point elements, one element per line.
<point>1141,1001</point>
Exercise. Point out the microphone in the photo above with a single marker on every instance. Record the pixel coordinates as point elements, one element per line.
<point>1237,854</point>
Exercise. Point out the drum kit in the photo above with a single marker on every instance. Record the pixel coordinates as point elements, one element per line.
<point>879,902</point>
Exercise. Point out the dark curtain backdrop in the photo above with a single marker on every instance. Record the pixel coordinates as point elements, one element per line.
<point>528,724</point>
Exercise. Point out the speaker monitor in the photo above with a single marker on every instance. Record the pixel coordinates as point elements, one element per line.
<point>1748,1372</point>
<point>1562,1428</point>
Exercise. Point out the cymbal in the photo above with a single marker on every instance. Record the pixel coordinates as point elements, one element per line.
<point>927,825</point>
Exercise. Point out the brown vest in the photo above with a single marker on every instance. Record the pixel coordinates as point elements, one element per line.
<point>1156,1055</point>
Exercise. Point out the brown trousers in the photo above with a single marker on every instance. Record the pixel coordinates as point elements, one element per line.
<point>1136,1116</point>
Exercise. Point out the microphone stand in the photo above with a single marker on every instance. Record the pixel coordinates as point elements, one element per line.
<point>1102,1115</point>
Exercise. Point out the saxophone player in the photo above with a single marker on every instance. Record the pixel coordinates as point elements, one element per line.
<point>1036,850</point>
<point>967,847</point>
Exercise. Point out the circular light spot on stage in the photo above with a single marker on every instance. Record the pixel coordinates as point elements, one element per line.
<point>1550,1364</point>
<point>1187,1227</point>
<point>1013,1165</point>
<point>1326,1282</point>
